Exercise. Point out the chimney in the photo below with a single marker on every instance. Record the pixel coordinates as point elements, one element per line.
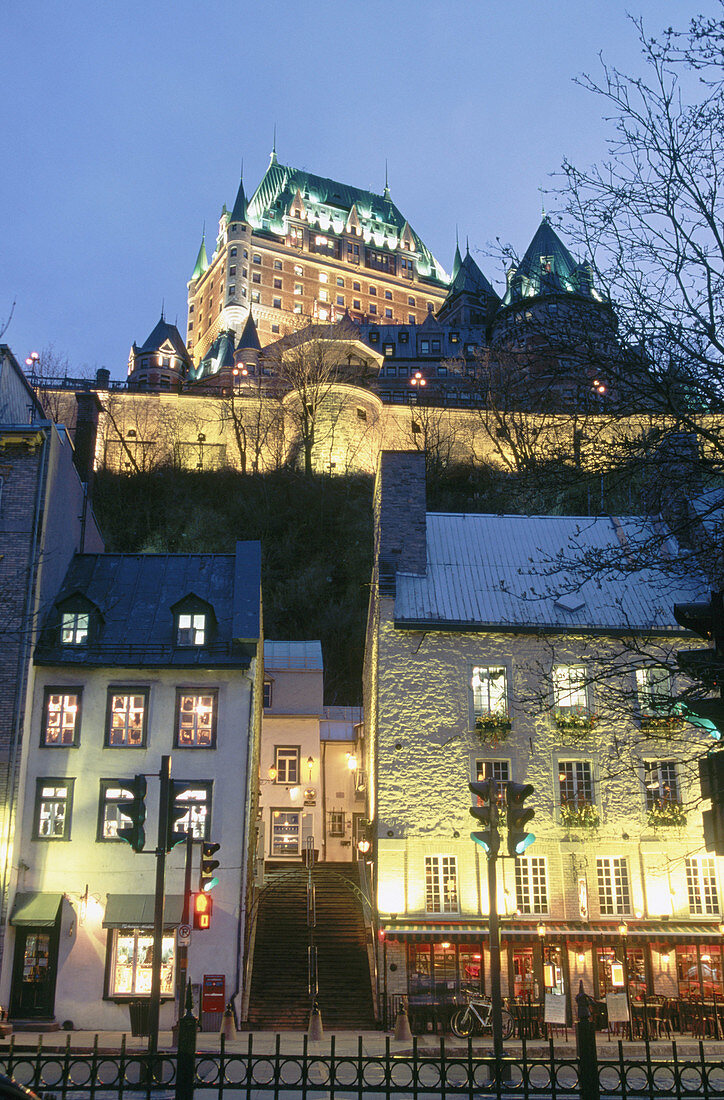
<point>86,434</point>
<point>399,516</point>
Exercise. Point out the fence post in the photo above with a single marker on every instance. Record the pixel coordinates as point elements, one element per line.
<point>588,1084</point>
<point>186,1051</point>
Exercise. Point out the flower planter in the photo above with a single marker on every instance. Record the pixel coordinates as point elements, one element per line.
<point>670,815</point>
<point>580,817</point>
<point>492,730</point>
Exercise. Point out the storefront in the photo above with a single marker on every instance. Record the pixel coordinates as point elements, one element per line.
<point>36,920</point>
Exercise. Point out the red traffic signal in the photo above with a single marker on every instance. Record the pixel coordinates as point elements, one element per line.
<point>203,908</point>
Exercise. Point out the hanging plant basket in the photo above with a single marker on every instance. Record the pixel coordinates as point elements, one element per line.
<point>492,728</point>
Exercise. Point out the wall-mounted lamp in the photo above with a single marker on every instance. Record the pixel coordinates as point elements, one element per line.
<point>294,792</point>
<point>310,765</point>
<point>541,929</point>
<point>623,928</point>
<point>581,956</point>
<point>351,761</point>
<point>665,957</point>
<point>272,773</point>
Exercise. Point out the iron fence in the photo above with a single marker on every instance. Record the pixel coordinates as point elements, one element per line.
<point>256,1068</point>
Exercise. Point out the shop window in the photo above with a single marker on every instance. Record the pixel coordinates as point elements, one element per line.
<point>61,718</point>
<point>701,886</point>
<point>286,832</point>
<point>699,972</point>
<point>490,691</point>
<point>196,797</point>
<point>336,823</point>
<point>525,987</point>
<point>131,956</point>
<point>611,973</point>
<point>74,627</point>
<point>286,762</point>
<point>441,884</point>
<point>126,718</point>
<point>196,719</point>
<point>569,691</point>
<point>553,981</point>
<point>111,817</point>
<point>531,887</point>
<point>53,806</point>
<point>613,885</point>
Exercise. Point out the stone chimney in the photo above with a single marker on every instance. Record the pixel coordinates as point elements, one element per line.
<point>399,516</point>
<point>86,434</point>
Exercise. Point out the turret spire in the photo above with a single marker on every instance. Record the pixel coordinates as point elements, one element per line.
<point>386,192</point>
<point>202,260</point>
<point>273,159</point>
<point>238,213</point>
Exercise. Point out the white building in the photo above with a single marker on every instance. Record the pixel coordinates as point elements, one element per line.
<point>142,656</point>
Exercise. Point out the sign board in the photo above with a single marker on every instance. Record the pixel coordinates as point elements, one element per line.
<point>617,1005</point>
<point>617,977</point>
<point>582,897</point>
<point>184,935</point>
<point>555,1009</point>
<point>213,993</point>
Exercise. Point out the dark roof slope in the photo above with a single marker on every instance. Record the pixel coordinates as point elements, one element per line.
<point>161,333</point>
<point>135,594</point>
<point>548,268</point>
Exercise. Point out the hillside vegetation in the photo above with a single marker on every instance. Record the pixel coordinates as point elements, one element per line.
<point>316,535</point>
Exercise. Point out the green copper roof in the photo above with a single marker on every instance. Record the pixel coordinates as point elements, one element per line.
<point>202,261</point>
<point>238,214</point>
<point>469,279</point>
<point>547,268</point>
<point>328,203</point>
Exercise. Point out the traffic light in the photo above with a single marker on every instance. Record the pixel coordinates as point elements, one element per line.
<point>487,814</point>
<point>177,811</point>
<point>134,834</point>
<point>706,620</point>
<point>711,778</point>
<point>203,908</point>
<point>207,878</point>
<point>518,817</point>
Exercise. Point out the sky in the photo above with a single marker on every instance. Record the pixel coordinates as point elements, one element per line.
<point>124,125</point>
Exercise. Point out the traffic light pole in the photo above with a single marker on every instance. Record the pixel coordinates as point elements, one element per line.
<point>494,930</point>
<point>154,1007</point>
<point>183,951</point>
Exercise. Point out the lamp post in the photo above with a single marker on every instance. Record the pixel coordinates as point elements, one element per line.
<point>623,933</point>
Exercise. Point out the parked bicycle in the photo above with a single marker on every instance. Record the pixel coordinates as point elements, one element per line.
<point>478,1016</point>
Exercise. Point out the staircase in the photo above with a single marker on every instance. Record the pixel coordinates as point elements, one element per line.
<point>279,998</point>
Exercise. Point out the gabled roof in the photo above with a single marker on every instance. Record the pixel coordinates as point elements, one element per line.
<point>327,204</point>
<point>136,594</point>
<point>160,334</point>
<point>548,268</point>
<point>202,261</point>
<point>517,573</point>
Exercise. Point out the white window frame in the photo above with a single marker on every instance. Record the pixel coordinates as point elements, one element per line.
<point>570,690</point>
<point>284,755</point>
<point>531,885</point>
<point>661,783</point>
<point>489,698</point>
<point>292,845</point>
<point>139,963</point>
<point>440,896</point>
<point>191,629</point>
<point>582,779</point>
<point>701,886</point>
<point>614,886</point>
<point>650,681</point>
<point>74,627</point>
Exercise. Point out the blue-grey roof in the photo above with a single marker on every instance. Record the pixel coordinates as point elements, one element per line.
<point>293,655</point>
<point>135,595</point>
<point>544,572</point>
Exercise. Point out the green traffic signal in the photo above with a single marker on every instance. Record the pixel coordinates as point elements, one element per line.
<point>135,809</point>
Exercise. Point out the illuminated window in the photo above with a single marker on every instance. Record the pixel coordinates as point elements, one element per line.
<point>286,762</point>
<point>74,627</point>
<point>531,889</point>
<point>298,288</point>
<point>323,314</point>
<point>297,307</point>
<point>286,832</point>
<point>323,296</point>
<point>191,628</point>
<point>126,726</point>
<point>61,717</point>
<point>196,719</point>
<point>613,886</point>
<point>661,783</point>
<point>499,770</point>
<point>388,349</point>
<point>298,270</point>
<point>424,347</point>
<point>569,690</point>
<point>111,817</point>
<point>336,823</point>
<point>575,783</point>
<point>701,886</point>
<point>255,296</point>
<point>323,277</point>
<point>490,691</point>
<point>653,688</point>
<point>196,797</point>
<point>131,958</point>
<point>53,804</point>
<point>441,884</point>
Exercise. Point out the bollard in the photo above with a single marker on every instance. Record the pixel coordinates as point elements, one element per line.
<point>588,1083</point>
<point>402,1026</point>
<point>228,1023</point>
<point>186,1051</point>
<point>315,1031</point>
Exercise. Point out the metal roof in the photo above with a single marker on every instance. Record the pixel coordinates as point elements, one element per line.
<point>293,655</point>
<point>545,573</point>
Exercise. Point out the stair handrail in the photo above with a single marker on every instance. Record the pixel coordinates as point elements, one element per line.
<point>372,913</point>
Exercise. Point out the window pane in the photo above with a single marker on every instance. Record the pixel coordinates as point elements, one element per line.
<point>196,720</point>
<point>112,817</point>
<point>52,810</point>
<point>441,889</point>
<point>285,832</point>
<point>489,691</point>
<point>569,688</point>
<point>60,719</point>
<point>127,715</point>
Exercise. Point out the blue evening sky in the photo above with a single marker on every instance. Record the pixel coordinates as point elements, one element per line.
<point>124,124</point>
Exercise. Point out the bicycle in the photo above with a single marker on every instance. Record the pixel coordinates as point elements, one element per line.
<point>478,1013</point>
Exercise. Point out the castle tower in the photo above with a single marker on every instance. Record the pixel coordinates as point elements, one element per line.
<point>163,361</point>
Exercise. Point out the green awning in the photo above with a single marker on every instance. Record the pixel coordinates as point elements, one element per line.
<point>136,911</point>
<point>40,910</point>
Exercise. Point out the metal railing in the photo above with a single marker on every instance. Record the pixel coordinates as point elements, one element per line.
<point>256,1067</point>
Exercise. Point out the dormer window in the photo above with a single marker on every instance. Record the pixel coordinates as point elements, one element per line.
<point>191,629</point>
<point>74,627</point>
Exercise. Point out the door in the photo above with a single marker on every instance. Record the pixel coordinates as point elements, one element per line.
<point>34,973</point>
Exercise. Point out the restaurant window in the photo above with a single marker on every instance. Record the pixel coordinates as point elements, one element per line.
<point>613,886</point>
<point>111,817</point>
<point>525,986</point>
<point>286,832</point>
<point>286,762</point>
<point>610,972</point>
<point>470,968</point>
<point>196,719</point>
<point>126,721</point>
<point>441,884</point>
<point>531,888</point>
<point>490,691</point>
<point>195,796</point>
<point>701,886</point>
<point>661,783</point>
<point>699,972</point>
<point>131,963</point>
<point>569,690</point>
<point>61,717</point>
<point>420,970</point>
<point>53,806</point>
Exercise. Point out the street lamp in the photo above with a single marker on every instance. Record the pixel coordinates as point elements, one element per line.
<point>417,380</point>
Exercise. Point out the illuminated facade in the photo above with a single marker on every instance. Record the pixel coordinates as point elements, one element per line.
<point>484,662</point>
<point>141,656</point>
